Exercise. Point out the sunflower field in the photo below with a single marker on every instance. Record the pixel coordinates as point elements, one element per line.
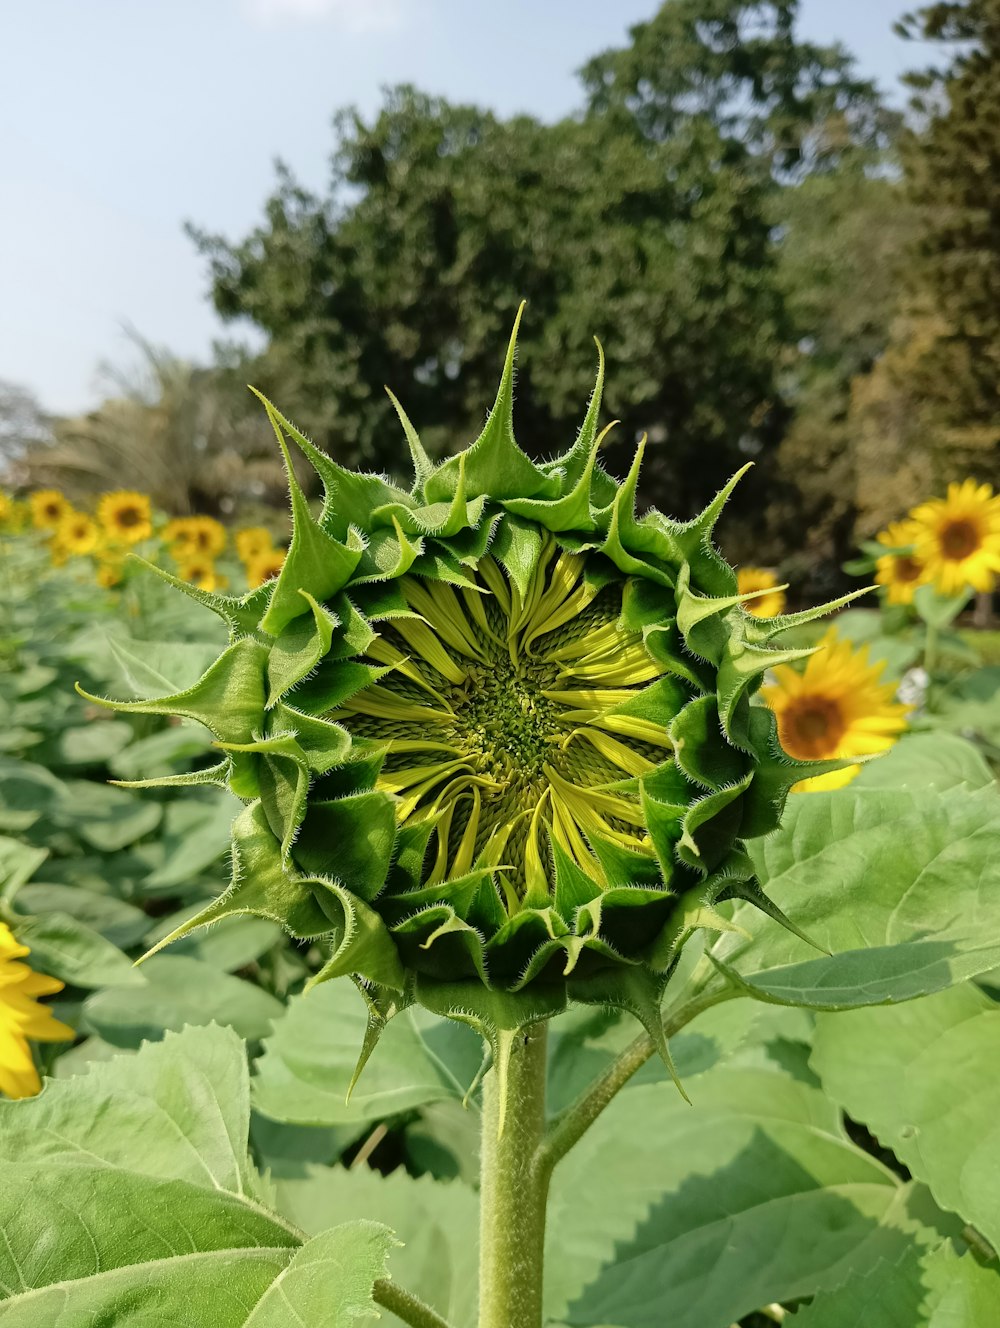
<point>538,922</point>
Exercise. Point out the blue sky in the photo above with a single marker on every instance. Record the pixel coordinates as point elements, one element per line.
<point>120,119</point>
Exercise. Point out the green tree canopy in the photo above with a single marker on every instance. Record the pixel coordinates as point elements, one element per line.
<point>647,219</point>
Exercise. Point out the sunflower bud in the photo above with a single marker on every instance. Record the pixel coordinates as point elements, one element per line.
<point>494,734</point>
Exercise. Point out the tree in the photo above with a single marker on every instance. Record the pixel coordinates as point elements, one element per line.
<point>654,231</point>
<point>173,430</point>
<point>952,164</point>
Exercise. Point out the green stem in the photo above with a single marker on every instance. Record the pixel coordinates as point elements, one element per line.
<point>514,1189</point>
<point>572,1124</point>
<point>404,1306</point>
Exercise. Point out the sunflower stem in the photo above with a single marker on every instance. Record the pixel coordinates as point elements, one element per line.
<point>570,1126</point>
<point>406,1306</point>
<point>514,1189</point>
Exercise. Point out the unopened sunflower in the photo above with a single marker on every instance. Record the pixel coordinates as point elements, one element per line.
<point>494,734</point>
<point>900,571</point>
<point>837,707</point>
<point>753,581</point>
<point>252,542</point>
<point>77,534</point>
<point>48,507</point>
<point>958,538</point>
<point>22,1017</point>
<point>264,567</point>
<point>125,516</point>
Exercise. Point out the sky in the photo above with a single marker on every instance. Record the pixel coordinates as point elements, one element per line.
<point>120,120</point>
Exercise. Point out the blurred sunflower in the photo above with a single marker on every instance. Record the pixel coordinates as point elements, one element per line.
<point>201,572</point>
<point>77,534</point>
<point>21,1017</point>
<point>6,506</point>
<point>252,542</point>
<point>836,708</point>
<point>753,579</point>
<point>108,574</point>
<point>48,507</point>
<point>899,573</point>
<point>195,537</point>
<point>958,538</point>
<point>265,567</point>
<point>125,516</point>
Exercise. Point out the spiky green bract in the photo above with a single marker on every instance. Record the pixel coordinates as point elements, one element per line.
<point>325,845</point>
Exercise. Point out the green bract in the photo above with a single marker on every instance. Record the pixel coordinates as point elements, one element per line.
<point>494,735</point>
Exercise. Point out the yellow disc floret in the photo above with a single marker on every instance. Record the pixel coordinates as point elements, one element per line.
<point>500,716</point>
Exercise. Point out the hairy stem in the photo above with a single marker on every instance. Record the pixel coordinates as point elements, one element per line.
<point>404,1306</point>
<point>514,1189</point>
<point>572,1124</point>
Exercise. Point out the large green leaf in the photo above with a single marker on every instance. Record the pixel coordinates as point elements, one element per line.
<point>923,760</point>
<point>309,1061</point>
<point>122,924</point>
<point>903,887</point>
<point>665,1213</point>
<point>923,1078</point>
<point>179,990</point>
<point>437,1221</point>
<point>66,948</point>
<point>935,1289</point>
<point>129,1200</point>
<point>196,832</point>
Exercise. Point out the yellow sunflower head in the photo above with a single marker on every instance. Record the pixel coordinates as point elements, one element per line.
<point>77,534</point>
<point>48,507</point>
<point>834,709</point>
<point>201,572</point>
<point>21,1018</point>
<point>265,567</point>
<point>958,538</point>
<point>253,542</point>
<point>6,507</point>
<point>126,516</point>
<point>900,571</point>
<point>752,581</point>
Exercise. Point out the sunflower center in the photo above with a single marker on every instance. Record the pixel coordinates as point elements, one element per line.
<point>501,719</point>
<point>128,517</point>
<point>811,727</point>
<point>959,539</point>
<point>907,568</point>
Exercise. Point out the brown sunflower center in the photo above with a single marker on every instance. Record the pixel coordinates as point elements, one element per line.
<point>811,727</point>
<point>959,538</point>
<point>907,568</point>
<point>127,517</point>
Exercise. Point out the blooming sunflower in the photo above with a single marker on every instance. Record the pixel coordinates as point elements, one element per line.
<point>125,516</point>
<point>494,734</point>
<point>836,708</point>
<point>48,507</point>
<point>264,567</point>
<point>899,572</point>
<point>200,572</point>
<point>958,538</point>
<point>252,542</point>
<point>77,534</point>
<point>753,580</point>
<point>21,1017</point>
